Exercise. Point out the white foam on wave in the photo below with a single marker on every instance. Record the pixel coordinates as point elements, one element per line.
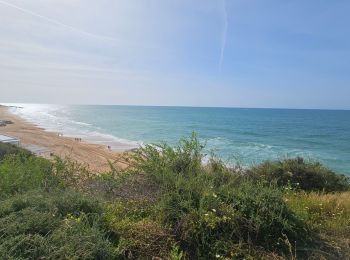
<point>232,149</point>
<point>235,152</point>
<point>45,116</point>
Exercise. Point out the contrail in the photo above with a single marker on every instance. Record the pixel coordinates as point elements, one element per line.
<point>224,33</point>
<point>56,22</point>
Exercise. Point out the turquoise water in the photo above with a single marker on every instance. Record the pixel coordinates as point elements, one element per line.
<point>245,135</point>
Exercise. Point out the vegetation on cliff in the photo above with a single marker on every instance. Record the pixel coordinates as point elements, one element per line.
<point>167,204</point>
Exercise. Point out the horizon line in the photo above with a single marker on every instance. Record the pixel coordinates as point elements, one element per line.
<point>176,106</point>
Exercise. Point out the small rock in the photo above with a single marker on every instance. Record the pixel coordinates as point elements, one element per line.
<point>5,122</point>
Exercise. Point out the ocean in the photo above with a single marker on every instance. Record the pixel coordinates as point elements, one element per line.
<point>236,135</point>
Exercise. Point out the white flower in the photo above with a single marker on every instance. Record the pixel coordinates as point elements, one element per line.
<point>214,210</point>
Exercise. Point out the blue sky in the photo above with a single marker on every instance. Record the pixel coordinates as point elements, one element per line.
<point>240,53</point>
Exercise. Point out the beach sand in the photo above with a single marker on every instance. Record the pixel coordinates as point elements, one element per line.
<point>96,156</point>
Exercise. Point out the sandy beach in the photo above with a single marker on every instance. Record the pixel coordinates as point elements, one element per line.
<point>96,156</point>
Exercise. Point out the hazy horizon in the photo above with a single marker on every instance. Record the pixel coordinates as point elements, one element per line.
<point>271,54</point>
<point>175,106</point>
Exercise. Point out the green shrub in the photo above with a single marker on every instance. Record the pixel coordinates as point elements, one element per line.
<point>58,225</point>
<point>20,173</point>
<point>6,149</point>
<point>139,235</point>
<point>168,204</point>
<point>24,246</point>
<point>28,221</point>
<point>265,215</point>
<point>71,202</point>
<point>82,237</point>
<point>159,160</point>
<point>71,173</point>
<point>144,239</point>
<point>215,211</point>
<point>216,221</point>
<point>306,175</point>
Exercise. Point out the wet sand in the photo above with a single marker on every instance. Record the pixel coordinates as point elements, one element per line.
<point>96,156</point>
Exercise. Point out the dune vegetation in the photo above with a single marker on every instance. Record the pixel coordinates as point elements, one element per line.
<point>167,204</point>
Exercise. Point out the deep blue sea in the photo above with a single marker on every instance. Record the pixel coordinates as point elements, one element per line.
<point>247,136</point>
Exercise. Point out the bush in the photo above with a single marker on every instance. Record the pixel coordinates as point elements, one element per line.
<point>6,149</point>
<point>214,211</point>
<point>169,205</point>
<point>20,173</point>
<point>71,202</point>
<point>302,174</point>
<point>82,237</point>
<point>139,235</point>
<point>65,224</point>
<point>71,173</point>
<point>24,246</point>
<point>159,160</point>
<point>217,221</point>
<point>28,221</point>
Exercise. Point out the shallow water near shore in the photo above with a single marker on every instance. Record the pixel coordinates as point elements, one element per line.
<point>247,136</point>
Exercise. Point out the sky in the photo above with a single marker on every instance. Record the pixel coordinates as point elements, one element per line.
<point>226,53</point>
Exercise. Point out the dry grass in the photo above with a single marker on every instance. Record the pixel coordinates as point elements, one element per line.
<point>329,216</point>
<point>329,213</point>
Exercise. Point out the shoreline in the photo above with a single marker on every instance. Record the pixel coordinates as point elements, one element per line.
<point>95,156</point>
